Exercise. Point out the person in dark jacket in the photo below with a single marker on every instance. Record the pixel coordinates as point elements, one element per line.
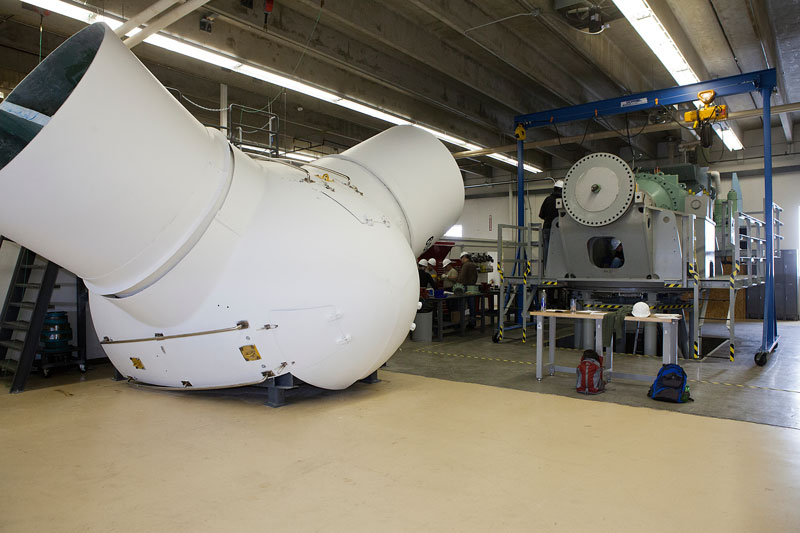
<point>425,279</point>
<point>548,213</point>
<point>468,276</point>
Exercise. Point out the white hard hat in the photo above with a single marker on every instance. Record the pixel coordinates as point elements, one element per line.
<point>615,243</point>
<point>422,262</point>
<point>463,254</point>
<point>432,262</point>
<point>559,184</point>
<point>446,262</point>
<point>641,310</point>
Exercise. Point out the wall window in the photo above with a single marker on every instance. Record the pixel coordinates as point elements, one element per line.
<point>455,231</point>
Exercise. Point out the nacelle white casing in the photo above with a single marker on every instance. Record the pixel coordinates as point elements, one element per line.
<point>176,232</point>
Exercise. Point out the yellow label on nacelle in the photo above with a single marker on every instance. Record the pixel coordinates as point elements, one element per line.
<point>250,352</point>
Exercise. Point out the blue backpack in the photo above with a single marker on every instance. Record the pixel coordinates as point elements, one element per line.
<point>670,385</point>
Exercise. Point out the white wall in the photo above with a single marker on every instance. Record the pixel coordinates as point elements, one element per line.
<point>475,218</point>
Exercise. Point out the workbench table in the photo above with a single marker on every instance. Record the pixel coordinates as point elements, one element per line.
<point>461,301</point>
<point>669,347</point>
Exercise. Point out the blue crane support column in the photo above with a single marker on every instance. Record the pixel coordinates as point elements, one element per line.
<point>770,331</point>
<point>521,255</point>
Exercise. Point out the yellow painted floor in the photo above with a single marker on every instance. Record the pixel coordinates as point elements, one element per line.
<point>408,454</point>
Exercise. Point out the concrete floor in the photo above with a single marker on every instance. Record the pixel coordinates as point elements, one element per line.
<point>409,453</point>
<point>737,391</point>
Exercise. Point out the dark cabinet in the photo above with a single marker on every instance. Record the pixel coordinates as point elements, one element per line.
<point>785,290</point>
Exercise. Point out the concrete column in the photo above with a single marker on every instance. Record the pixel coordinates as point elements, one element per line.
<point>223,106</point>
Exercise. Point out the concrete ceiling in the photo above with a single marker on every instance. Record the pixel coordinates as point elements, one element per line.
<point>465,67</point>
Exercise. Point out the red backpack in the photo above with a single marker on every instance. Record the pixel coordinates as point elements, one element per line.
<point>590,373</point>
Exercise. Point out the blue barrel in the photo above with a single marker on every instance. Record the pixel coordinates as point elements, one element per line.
<point>56,331</point>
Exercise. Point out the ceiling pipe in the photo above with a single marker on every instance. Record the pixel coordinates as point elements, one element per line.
<point>145,15</point>
<point>165,20</point>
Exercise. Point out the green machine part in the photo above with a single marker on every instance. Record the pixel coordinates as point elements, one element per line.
<point>665,190</point>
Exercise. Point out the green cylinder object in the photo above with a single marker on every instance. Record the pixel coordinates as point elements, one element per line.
<point>664,189</point>
<point>56,331</point>
<point>733,200</point>
<point>719,211</point>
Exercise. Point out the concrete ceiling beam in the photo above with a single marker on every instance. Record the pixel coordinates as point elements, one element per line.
<point>546,63</point>
<point>766,35</point>
<point>144,16</point>
<point>164,20</point>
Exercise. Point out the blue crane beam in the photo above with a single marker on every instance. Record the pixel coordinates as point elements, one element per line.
<point>742,83</point>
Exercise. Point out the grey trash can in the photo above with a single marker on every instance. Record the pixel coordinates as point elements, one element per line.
<point>424,330</point>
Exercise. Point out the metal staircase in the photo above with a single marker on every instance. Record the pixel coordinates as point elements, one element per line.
<point>23,314</point>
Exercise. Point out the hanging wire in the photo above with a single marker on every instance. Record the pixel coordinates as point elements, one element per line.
<point>41,31</point>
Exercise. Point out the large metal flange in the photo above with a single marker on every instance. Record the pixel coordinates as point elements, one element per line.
<point>598,189</point>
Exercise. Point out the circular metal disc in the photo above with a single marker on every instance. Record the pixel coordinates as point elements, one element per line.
<point>598,189</point>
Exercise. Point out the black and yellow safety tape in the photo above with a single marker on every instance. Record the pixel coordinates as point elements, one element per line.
<point>672,285</point>
<point>674,306</point>
<point>696,350</point>
<point>500,272</point>
<point>743,386</point>
<point>604,306</point>
<point>478,357</point>
<point>524,335</point>
<point>732,352</point>
<point>549,283</point>
<point>693,273</point>
<point>531,363</point>
<point>734,272</point>
<point>500,332</point>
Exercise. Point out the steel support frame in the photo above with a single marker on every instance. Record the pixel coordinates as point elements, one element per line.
<point>763,81</point>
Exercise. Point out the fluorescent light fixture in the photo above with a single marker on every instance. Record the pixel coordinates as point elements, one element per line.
<point>449,138</point>
<point>513,162</point>
<point>649,27</point>
<point>652,31</point>
<point>728,136</point>
<point>74,12</point>
<point>188,50</point>
<point>215,58</point>
<point>371,111</point>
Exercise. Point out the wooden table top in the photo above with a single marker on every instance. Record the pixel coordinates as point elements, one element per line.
<point>598,315</point>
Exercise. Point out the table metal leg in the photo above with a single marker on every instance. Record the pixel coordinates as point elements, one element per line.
<point>552,340</point>
<point>482,305</point>
<point>539,344</point>
<point>598,336</point>
<point>670,344</point>
<point>440,320</point>
<point>462,308</point>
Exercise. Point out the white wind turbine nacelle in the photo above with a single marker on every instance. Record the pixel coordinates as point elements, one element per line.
<point>205,267</point>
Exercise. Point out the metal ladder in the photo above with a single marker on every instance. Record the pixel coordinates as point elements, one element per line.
<point>22,336</point>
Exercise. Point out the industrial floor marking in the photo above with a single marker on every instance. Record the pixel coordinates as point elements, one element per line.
<point>513,361</point>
